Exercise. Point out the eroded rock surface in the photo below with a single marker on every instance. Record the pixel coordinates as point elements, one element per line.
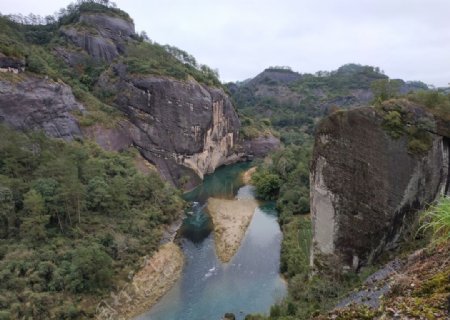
<point>102,36</point>
<point>261,146</point>
<point>33,103</point>
<point>186,129</point>
<point>367,187</point>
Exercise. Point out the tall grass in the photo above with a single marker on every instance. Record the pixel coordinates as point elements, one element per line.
<point>437,220</point>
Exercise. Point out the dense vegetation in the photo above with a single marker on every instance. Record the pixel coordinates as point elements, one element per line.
<point>285,178</point>
<point>294,102</point>
<point>74,221</point>
<point>147,57</point>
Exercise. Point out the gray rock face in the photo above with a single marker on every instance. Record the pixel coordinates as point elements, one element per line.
<point>261,146</point>
<point>366,187</point>
<point>186,129</point>
<point>108,26</point>
<point>39,104</point>
<point>100,35</point>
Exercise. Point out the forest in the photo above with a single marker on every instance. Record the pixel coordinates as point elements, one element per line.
<point>75,221</point>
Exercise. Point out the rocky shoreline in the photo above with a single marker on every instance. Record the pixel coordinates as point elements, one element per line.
<point>156,277</point>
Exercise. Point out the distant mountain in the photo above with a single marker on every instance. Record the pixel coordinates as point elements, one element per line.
<point>292,100</point>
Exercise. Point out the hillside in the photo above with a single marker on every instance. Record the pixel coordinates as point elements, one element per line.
<point>170,108</point>
<point>293,102</point>
<point>75,220</point>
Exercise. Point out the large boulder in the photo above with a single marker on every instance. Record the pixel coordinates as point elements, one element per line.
<point>366,187</point>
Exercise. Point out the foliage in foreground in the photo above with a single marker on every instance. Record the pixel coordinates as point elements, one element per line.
<point>437,219</point>
<point>285,177</point>
<point>74,221</point>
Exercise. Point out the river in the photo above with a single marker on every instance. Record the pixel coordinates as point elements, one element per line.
<point>207,289</point>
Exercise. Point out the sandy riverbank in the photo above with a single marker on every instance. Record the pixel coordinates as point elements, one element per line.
<point>157,276</point>
<point>231,219</point>
<point>247,175</point>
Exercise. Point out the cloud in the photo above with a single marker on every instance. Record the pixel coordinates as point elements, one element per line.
<point>408,39</point>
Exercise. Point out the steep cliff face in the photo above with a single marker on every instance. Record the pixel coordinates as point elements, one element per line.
<point>33,103</point>
<point>366,187</point>
<point>186,129</point>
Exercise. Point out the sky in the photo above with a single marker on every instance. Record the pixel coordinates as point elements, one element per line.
<point>408,39</point>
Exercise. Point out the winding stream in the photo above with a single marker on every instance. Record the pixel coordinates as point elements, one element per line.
<point>208,289</point>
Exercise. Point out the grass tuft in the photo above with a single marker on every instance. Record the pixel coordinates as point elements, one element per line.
<point>437,219</point>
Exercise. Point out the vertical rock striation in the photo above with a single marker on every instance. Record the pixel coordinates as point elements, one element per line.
<point>185,128</point>
<point>33,103</point>
<point>366,187</point>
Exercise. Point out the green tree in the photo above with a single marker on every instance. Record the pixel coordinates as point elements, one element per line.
<point>267,184</point>
<point>393,123</point>
<point>34,202</point>
<point>35,227</point>
<point>91,269</point>
<point>98,195</point>
<point>384,89</point>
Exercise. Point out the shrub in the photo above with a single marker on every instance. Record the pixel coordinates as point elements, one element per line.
<point>91,269</point>
<point>437,219</point>
<point>267,184</point>
<point>393,123</point>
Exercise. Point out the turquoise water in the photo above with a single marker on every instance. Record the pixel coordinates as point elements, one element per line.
<point>249,283</point>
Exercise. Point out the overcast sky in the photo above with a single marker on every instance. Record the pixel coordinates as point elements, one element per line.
<point>408,39</point>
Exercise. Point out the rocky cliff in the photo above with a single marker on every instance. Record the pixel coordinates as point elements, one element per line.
<point>34,103</point>
<point>367,184</point>
<point>186,129</point>
<point>177,115</point>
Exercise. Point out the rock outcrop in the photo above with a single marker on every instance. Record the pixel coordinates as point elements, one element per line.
<point>261,146</point>
<point>32,103</point>
<point>185,128</point>
<point>102,36</point>
<point>366,187</point>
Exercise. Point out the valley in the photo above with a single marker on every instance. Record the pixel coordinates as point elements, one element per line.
<point>134,184</point>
